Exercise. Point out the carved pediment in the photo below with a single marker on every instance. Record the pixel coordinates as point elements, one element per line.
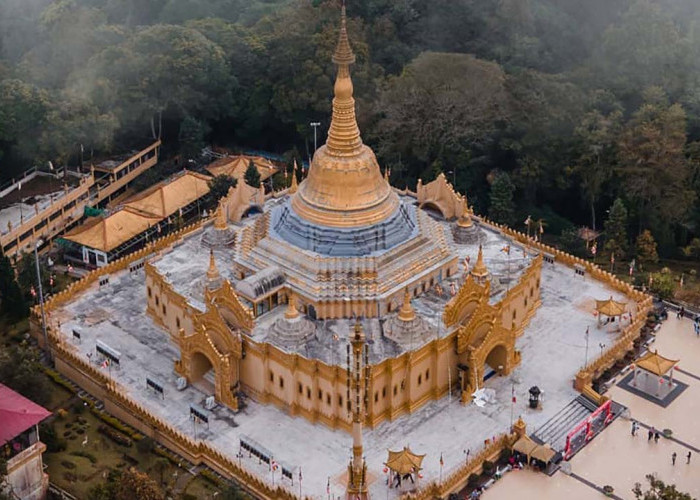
<point>469,296</point>
<point>230,306</point>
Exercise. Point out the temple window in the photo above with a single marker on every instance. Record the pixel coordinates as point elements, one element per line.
<point>301,388</point>
<point>149,292</point>
<point>320,394</point>
<point>515,314</point>
<point>376,397</point>
<point>532,291</point>
<point>403,385</point>
<point>384,392</point>
<point>328,399</point>
<point>308,392</point>
<point>395,389</point>
<point>340,401</point>
<point>427,374</point>
<point>157,301</point>
<point>281,383</point>
<point>347,404</point>
<point>525,301</point>
<point>272,376</point>
<point>177,322</point>
<point>420,379</point>
<point>164,310</point>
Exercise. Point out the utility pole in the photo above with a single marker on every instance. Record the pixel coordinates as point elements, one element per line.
<point>315,125</point>
<point>585,364</point>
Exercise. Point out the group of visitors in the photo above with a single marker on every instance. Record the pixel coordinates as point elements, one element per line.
<point>653,433</point>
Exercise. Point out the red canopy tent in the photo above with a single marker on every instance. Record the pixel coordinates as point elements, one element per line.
<point>17,414</point>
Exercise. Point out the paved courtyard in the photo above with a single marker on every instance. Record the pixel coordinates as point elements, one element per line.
<point>620,460</point>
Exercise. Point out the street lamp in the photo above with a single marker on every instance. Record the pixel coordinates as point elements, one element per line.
<point>454,176</point>
<point>315,125</point>
<point>41,298</point>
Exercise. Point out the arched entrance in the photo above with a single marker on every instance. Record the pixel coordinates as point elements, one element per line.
<point>202,373</point>
<point>497,359</point>
<point>252,210</point>
<point>433,209</point>
<point>311,312</point>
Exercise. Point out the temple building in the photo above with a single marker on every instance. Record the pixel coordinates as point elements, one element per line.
<point>267,313</point>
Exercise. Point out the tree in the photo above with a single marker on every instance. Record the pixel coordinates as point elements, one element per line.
<point>252,176</point>
<point>596,136</point>
<point>26,275</point>
<point>219,186</point>
<point>501,209</point>
<point>135,485</point>
<point>13,304</point>
<point>160,466</point>
<point>20,370</point>
<point>191,137</point>
<point>658,490</point>
<point>646,247</point>
<point>616,229</point>
<point>652,160</point>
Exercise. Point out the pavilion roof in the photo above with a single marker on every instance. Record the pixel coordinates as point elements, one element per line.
<point>587,234</point>
<point>543,453</point>
<point>235,166</point>
<point>610,307</point>
<point>17,414</point>
<point>167,197</point>
<point>525,445</point>
<point>107,233</point>
<point>655,363</point>
<point>404,461</point>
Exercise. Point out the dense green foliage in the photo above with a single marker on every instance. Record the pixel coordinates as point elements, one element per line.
<point>580,103</point>
<point>12,303</point>
<point>252,176</point>
<point>658,490</point>
<point>20,370</point>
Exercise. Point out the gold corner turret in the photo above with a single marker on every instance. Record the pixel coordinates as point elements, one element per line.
<point>480,273</point>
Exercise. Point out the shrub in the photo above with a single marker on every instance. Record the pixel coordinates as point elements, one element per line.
<point>473,480</point>
<point>488,467</point>
<point>68,465</point>
<point>115,436</point>
<point>80,431</point>
<point>505,454</point>
<point>85,454</point>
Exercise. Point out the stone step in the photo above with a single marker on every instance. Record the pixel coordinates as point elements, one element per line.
<point>554,431</point>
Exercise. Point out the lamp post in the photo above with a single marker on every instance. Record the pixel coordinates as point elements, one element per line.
<point>454,176</point>
<point>41,299</point>
<point>315,125</point>
<point>585,363</point>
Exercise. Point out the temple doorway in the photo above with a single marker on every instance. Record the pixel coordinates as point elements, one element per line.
<point>202,374</point>
<point>496,362</point>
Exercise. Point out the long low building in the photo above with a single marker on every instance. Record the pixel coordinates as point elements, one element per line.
<point>147,215</point>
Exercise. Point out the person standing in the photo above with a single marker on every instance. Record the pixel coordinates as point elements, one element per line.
<point>634,427</point>
<point>656,436</point>
<point>673,458</point>
<point>650,434</point>
<point>687,458</point>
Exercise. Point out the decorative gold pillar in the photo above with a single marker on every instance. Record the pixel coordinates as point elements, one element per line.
<point>358,379</point>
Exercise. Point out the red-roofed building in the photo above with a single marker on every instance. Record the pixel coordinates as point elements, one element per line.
<point>20,445</point>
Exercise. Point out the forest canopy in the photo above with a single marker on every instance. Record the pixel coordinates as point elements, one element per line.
<point>572,105</point>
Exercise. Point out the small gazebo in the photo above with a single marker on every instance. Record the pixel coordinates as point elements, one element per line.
<point>610,309</point>
<point>525,446</point>
<point>403,464</point>
<point>653,363</point>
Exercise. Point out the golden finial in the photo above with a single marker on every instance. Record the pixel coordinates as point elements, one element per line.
<point>291,311</point>
<point>343,54</point>
<point>212,272</point>
<point>293,187</point>
<point>480,272</point>
<point>407,313</point>
<point>220,221</point>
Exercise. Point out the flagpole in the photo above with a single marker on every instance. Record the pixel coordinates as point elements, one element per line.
<point>512,404</point>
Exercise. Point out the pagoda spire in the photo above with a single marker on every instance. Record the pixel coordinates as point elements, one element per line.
<point>292,312</point>
<point>344,134</point>
<point>213,277</point>
<point>480,272</point>
<point>293,187</point>
<point>220,220</point>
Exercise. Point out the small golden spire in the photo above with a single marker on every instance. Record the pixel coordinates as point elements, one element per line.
<point>291,311</point>
<point>220,221</point>
<point>480,272</point>
<point>407,313</point>
<point>212,272</point>
<point>293,187</point>
<point>343,54</point>
<point>465,219</point>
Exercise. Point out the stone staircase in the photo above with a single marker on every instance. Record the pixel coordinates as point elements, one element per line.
<point>554,431</point>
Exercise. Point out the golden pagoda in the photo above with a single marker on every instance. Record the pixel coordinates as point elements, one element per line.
<point>407,313</point>
<point>344,187</point>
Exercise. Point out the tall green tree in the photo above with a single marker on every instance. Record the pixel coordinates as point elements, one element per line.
<point>646,247</point>
<point>616,229</point>
<point>596,148</point>
<point>652,163</point>
<point>192,138</point>
<point>20,370</point>
<point>502,207</point>
<point>13,304</point>
<point>252,176</point>
<point>219,186</point>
